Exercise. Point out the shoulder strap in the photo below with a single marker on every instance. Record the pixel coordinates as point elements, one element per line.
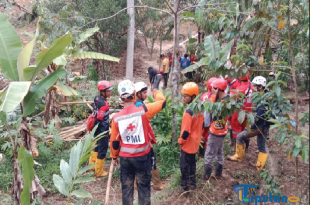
<point>248,91</point>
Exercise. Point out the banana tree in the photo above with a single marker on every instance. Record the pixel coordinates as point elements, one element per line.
<point>27,86</point>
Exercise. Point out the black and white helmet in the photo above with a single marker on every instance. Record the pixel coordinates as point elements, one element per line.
<point>259,80</point>
<point>140,86</point>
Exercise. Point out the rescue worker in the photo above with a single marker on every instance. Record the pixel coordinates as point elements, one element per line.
<point>217,132</point>
<point>131,136</point>
<point>207,117</point>
<point>190,138</point>
<point>245,87</point>
<point>260,129</point>
<point>152,110</point>
<point>101,109</point>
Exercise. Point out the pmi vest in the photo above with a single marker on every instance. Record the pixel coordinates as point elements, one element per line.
<point>134,131</point>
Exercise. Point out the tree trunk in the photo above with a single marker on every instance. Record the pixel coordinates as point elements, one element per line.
<point>130,40</point>
<point>175,75</point>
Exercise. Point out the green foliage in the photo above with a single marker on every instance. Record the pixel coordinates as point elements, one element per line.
<point>13,95</point>
<point>25,161</point>
<point>272,185</point>
<point>39,90</point>
<point>10,47</point>
<point>72,172</point>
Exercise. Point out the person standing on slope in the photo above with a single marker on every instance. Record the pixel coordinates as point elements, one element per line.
<point>151,110</point>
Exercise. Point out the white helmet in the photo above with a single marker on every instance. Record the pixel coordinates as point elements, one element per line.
<point>140,86</point>
<point>259,80</point>
<point>126,88</point>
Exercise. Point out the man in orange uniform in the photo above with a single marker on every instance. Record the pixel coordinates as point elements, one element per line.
<point>152,110</point>
<point>131,137</point>
<point>207,116</point>
<point>217,132</point>
<point>190,138</point>
<point>246,88</point>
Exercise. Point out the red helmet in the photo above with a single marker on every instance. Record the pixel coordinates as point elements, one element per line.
<point>209,82</point>
<point>104,86</point>
<point>219,83</point>
<point>246,77</point>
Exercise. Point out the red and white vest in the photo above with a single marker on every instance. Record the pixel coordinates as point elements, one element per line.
<point>135,132</point>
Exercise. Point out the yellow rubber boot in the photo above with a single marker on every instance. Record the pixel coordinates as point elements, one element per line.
<point>261,160</point>
<point>156,180</point>
<point>99,168</point>
<point>92,159</point>
<point>240,150</point>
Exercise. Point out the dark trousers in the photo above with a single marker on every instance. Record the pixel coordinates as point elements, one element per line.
<point>188,170</point>
<point>153,159</point>
<point>102,147</point>
<point>139,168</point>
<point>166,76</point>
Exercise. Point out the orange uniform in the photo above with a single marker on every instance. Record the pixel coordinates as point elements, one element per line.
<point>157,106</point>
<point>191,130</point>
<point>218,127</point>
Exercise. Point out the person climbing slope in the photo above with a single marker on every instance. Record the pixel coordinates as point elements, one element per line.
<point>151,110</point>
<point>155,77</point>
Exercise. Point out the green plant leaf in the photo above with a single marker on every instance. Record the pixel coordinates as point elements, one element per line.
<point>305,154</point>
<point>66,90</point>
<point>3,118</point>
<point>296,151</point>
<point>14,94</point>
<point>212,47</point>
<point>25,161</point>
<point>241,116</point>
<point>84,179</point>
<point>60,60</point>
<point>96,203</point>
<point>80,202</point>
<point>10,47</point>
<point>298,143</point>
<point>84,169</point>
<point>65,171</point>
<point>25,56</point>
<point>40,90</point>
<point>81,193</point>
<point>56,49</point>
<point>61,185</point>
<point>94,55</point>
<point>225,51</point>
<point>275,126</point>
<point>86,34</point>
<point>75,155</point>
<point>278,91</point>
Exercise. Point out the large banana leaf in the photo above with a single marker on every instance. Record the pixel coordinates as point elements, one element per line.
<point>66,90</point>
<point>40,90</point>
<point>45,58</point>
<point>13,95</point>
<point>225,51</point>
<point>94,55</point>
<point>10,47</point>
<point>25,56</point>
<point>89,32</point>
<point>212,47</point>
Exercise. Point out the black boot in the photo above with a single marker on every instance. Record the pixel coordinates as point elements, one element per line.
<point>208,172</point>
<point>218,170</point>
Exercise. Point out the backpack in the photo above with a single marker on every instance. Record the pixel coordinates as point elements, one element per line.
<point>90,123</point>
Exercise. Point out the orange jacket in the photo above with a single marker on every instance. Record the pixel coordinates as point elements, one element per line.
<point>155,107</point>
<point>218,128</point>
<point>191,130</point>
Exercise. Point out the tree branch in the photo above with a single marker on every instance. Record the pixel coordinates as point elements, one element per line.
<point>204,6</point>
<point>109,17</point>
<point>170,7</point>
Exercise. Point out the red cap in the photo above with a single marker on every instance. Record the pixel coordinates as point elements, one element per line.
<point>246,77</point>
<point>104,85</point>
<point>209,82</point>
<point>219,83</point>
